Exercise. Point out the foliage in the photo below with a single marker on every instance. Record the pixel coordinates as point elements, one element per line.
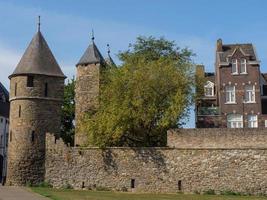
<point>210,192</point>
<point>68,113</point>
<point>150,93</point>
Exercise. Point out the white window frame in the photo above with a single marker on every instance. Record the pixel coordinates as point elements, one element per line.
<point>243,65</point>
<point>250,94</point>
<point>234,121</point>
<point>252,121</point>
<point>234,66</point>
<point>230,96</point>
<point>209,85</point>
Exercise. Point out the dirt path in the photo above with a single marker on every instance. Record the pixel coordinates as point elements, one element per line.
<point>18,193</point>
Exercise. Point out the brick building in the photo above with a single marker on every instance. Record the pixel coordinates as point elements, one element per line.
<point>236,94</point>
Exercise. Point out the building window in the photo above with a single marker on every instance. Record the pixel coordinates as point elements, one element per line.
<point>46,90</point>
<point>234,66</point>
<point>30,80</point>
<point>250,94</point>
<point>234,121</point>
<point>230,94</point>
<point>209,89</point>
<point>16,85</point>
<point>252,121</point>
<point>243,67</point>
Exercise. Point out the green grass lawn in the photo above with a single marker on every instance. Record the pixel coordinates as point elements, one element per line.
<point>63,194</point>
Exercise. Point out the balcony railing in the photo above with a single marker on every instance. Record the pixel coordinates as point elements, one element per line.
<point>208,111</point>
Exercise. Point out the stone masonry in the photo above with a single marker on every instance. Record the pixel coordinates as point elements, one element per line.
<point>185,169</point>
<point>37,115</point>
<point>86,96</point>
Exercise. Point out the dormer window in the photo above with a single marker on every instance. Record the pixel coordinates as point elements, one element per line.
<point>209,89</point>
<point>234,66</point>
<point>243,67</point>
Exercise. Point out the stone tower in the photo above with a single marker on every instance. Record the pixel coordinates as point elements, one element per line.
<point>87,87</point>
<point>36,94</point>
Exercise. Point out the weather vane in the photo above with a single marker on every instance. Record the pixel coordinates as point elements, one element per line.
<point>108,49</point>
<point>39,22</point>
<point>93,36</point>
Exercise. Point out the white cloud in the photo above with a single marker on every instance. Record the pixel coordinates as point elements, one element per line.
<point>9,58</point>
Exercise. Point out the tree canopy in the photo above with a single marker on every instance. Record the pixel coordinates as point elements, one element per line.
<point>144,97</point>
<point>68,113</point>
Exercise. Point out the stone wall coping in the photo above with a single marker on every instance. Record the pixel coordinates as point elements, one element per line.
<point>167,148</point>
<point>39,98</point>
<point>216,131</point>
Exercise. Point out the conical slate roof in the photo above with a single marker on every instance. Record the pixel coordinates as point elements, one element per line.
<point>38,59</point>
<point>91,56</point>
<point>110,61</point>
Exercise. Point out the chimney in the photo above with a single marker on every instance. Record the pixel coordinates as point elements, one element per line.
<point>219,45</point>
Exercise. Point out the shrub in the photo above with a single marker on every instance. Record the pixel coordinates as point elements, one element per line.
<point>210,192</point>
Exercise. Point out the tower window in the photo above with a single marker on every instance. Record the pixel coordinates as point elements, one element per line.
<point>19,110</point>
<point>46,90</point>
<point>30,81</point>
<point>16,85</point>
<point>33,136</point>
<point>10,136</point>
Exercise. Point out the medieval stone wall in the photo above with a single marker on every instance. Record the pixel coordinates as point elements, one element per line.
<point>239,169</point>
<point>218,138</point>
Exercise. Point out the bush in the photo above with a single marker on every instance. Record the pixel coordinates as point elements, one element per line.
<point>210,192</point>
<point>67,186</point>
<point>44,184</point>
<point>229,192</point>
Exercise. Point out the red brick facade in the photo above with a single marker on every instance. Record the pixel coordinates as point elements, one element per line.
<point>238,94</point>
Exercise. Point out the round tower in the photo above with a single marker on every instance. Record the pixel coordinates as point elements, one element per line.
<point>36,95</point>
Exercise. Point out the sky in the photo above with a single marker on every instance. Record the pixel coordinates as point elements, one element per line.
<point>67,24</point>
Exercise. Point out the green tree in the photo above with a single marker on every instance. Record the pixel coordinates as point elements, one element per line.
<point>68,113</point>
<point>147,95</point>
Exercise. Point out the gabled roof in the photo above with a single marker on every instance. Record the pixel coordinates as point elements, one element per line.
<point>209,76</point>
<point>264,75</point>
<point>4,94</point>
<point>91,56</point>
<point>38,59</point>
<point>229,49</point>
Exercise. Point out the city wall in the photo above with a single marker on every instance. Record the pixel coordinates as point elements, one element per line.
<point>190,164</point>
